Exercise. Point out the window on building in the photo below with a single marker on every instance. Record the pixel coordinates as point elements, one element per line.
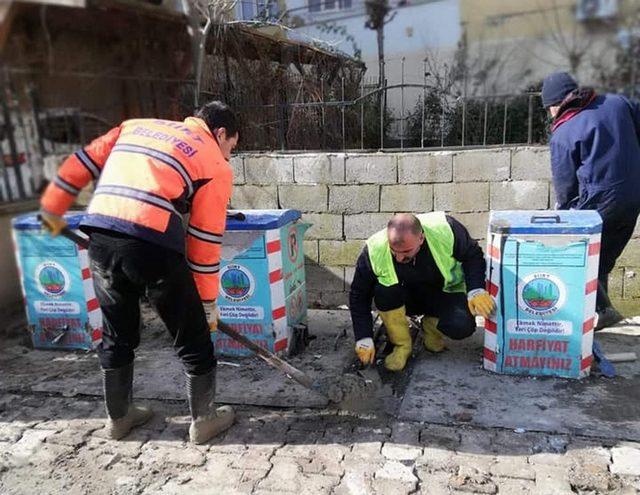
<point>258,9</point>
<point>320,5</point>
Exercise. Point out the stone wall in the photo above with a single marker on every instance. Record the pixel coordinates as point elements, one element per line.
<point>349,196</point>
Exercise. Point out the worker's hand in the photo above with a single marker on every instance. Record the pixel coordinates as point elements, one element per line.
<point>365,350</point>
<point>53,223</point>
<point>481,303</point>
<point>212,313</point>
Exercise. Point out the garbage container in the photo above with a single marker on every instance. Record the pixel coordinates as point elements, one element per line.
<point>60,302</point>
<point>542,269</point>
<point>262,288</point>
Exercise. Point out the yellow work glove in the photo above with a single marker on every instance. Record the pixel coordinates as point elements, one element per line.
<point>365,350</point>
<point>481,303</point>
<point>53,223</point>
<point>212,313</point>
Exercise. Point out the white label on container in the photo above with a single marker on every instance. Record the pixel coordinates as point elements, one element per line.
<point>540,327</point>
<point>57,307</point>
<point>242,312</point>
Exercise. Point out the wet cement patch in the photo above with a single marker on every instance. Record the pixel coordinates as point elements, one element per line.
<point>453,388</point>
<point>158,373</point>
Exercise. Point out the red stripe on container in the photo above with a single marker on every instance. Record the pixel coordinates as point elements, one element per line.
<point>86,274</point>
<point>280,345</point>
<point>275,276</point>
<point>92,304</point>
<point>594,249</point>
<point>591,286</point>
<point>490,326</point>
<point>492,288</point>
<point>489,355</point>
<point>586,362</point>
<point>273,246</point>
<point>588,325</point>
<point>97,334</point>
<point>494,252</point>
<point>279,313</point>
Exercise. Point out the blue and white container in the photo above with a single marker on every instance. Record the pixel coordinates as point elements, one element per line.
<point>262,289</point>
<point>542,270</point>
<point>60,302</point>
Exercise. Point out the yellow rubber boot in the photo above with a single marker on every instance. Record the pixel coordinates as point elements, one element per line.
<point>397,327</point>
<point>433,338</point>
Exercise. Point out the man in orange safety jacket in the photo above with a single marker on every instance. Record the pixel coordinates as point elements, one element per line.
<point>149,173</point>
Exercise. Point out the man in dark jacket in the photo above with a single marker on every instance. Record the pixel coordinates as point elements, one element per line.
<point>595,164</point>
<point>419,265</point>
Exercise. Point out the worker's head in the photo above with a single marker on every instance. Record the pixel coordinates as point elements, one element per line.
<point>405,237</point>
<point>223,125</point>
<point>555,89</point>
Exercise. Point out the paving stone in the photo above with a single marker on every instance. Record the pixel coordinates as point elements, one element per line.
<point>30,442</point>
<point>367,450</point>
<point>437,459</point>
<point>590,477</point>
<point>69,437</point>
<point>511,443</point>
<point>545,458</point>
<point>476,441</point>
<point>172,455</point>
<point>354,483</point>
<point>588,454</point>
<point>510,486</point>
<point>551,480</point>
<point>394,470</point>
<point>476,462</point>
<point>384,486</point>
<point>513,467</point>
<point>471,480</point>
<point>342,434</point>
<point>10,433</point>
<point>283,477</point>
<point>433,483</point>
<point>400,452</point>
<point>253,460</point>
<point>626,460</point>
<point>371,434</point>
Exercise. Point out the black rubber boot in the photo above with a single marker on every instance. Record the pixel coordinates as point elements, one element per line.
<point>607,314</point>
<point>207,421</point>
<point>123,415</point>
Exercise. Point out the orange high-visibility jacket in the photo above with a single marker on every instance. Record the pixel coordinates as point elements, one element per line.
<point>149,172</point>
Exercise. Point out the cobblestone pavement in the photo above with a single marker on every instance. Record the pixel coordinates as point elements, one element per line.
<point>56,444</point>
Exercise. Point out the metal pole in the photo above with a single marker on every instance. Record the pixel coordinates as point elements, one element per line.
<point>362,114</point>
<point>8,125</point>
<point>464,118</point>
<point>424,97</point>
<point>504,122</point>
<point>486,111</point>
<point>402,105</point>
<point>381,105</point>
<point>324,131</point>
<point>442,120</point>
<point>530,121</point>
<point>343,130</point>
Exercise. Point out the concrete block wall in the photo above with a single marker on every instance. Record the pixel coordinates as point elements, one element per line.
<point>349,196</point>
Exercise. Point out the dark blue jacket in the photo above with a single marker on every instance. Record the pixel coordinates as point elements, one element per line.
<point>595,157</point>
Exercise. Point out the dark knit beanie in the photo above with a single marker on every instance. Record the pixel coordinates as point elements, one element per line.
<point>555,87</point>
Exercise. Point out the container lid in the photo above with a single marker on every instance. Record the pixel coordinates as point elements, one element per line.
<point>262,219</point>
<point>29,221</point>
<point>545,222</point>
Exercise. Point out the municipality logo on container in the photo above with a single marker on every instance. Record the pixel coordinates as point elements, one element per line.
<point>541,294</point>
<point>237,283</point>
<point>52,279</point>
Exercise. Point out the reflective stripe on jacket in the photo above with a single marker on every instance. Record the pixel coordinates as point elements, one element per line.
<point>150,173</point>
<point>439,237</point>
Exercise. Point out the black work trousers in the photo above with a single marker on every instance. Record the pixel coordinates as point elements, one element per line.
<point>454,318</point>
<point>616,232</point>
<point>124,269</point>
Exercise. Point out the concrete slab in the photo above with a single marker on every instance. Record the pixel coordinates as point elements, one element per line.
<point>158,373</point>
<point>453,388</point>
